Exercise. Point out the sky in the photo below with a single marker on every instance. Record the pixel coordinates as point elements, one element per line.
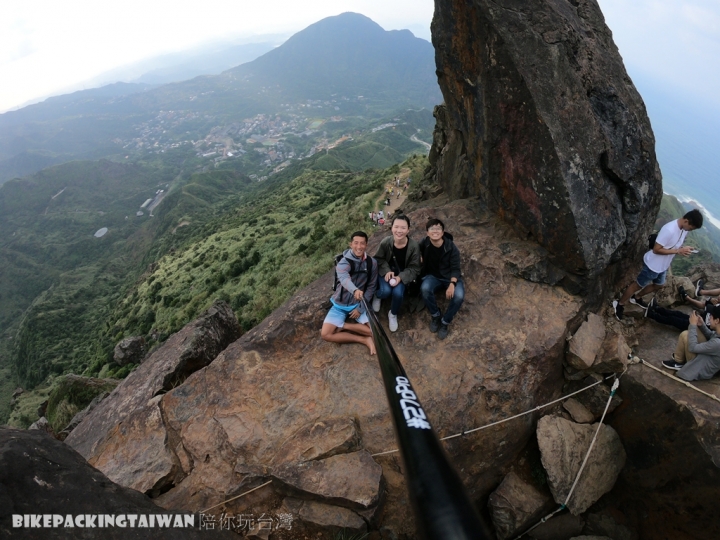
<point>49,47</point>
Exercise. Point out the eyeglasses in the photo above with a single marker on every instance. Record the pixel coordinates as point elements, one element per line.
<point>435,229</point>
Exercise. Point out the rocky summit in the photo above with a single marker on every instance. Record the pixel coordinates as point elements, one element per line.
<point>280,404</point>
<point>543,169</point>
<point>543,123</point>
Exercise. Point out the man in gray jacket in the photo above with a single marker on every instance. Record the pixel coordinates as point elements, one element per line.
<point>357,275</point>
<point>697,357</point>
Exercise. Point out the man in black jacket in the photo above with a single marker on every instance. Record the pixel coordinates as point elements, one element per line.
<point>441,271</point>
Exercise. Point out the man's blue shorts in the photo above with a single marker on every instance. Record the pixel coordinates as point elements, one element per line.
<point>647,276</point>
<point>339,314</point>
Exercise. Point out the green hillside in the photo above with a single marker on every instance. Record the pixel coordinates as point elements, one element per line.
<point>211,237</point>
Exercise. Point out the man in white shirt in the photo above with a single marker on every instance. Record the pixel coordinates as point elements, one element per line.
<point>669,242</point>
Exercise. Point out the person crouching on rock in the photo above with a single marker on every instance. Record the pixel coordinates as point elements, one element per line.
<point>398,258</point>
<point>697,355</point>
<point>669,242</point>
<point>355,280</point>
<point>441,271</point>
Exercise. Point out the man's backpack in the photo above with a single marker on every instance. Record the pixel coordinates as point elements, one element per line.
<point>353,270</point>
<point>652,239</point>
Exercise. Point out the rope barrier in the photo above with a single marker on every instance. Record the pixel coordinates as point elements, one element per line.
<point>639,360</point>
<point>635,360</point>
<point>237,497</point>
<point>534,409</point>
<point>563,506</point>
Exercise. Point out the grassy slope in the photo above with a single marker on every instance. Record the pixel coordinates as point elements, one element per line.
<point>212,236</point>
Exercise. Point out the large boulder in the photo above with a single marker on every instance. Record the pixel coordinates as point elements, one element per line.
<point>563,446</point>
<point>516,505</point>
<point>132,408</point>
<point>280,398</point>
<point>542,122</point>
<point>130,350</point>
<point>585,344</point>
<point>42,476</point>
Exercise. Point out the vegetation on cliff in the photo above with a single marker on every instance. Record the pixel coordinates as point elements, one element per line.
<point>215,235</point>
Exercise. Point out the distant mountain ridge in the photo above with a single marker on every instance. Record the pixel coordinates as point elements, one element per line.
<point>340,57</point>
<point>350,54</point>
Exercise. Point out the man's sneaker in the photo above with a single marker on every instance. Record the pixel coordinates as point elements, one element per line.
<point>376,304</point>
<point>392,322</point>
<point>638,302</point>
<point>699,287</point>
<point>618,310</point>
<point>653,303</point>
<point>443,331</point>
<point>435,323</point>
<point>672,364</point>
<point>683,293</point>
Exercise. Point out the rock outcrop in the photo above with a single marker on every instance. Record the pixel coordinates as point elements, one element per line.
<point>586,342</point>
<point>281,399</point>
<point>40,475</point>
<point>516,505</point>
<point>542,122</point>
<point>131,412</point>
<point>563,445</point>
<point>129,351</point>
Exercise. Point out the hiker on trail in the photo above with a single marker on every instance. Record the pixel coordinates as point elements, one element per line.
<point>440,271</point>
<point>669,242</point>
<point>697,355</point>
<point>357,275</point>
<point>398,258</point>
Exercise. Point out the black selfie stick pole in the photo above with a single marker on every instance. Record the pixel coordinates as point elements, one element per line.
<point>443,510</point>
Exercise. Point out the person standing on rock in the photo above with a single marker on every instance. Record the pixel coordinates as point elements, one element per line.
<point>357,276</point>
<point>441,271</point>
<point>669,242</point>
<point>398,258</point>
<point>697,355</point>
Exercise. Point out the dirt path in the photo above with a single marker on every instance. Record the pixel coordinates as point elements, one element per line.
<point>395,203</point>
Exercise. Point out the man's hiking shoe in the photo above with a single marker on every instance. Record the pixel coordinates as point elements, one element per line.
<point>376,304</point>
<point>699,287</point>
<point>392,322</point>
<point>443,331</point>
<point>618,310</point>
<point>672,364</point>
<point>683,293</point>
<point>435,323</point>
<point>638,302</point>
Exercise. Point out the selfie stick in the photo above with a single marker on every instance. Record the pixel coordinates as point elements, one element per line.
<point>443,510</point>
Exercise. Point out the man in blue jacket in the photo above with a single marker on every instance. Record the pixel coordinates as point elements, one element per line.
<point>441,271</point>
<point>357,275</point>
